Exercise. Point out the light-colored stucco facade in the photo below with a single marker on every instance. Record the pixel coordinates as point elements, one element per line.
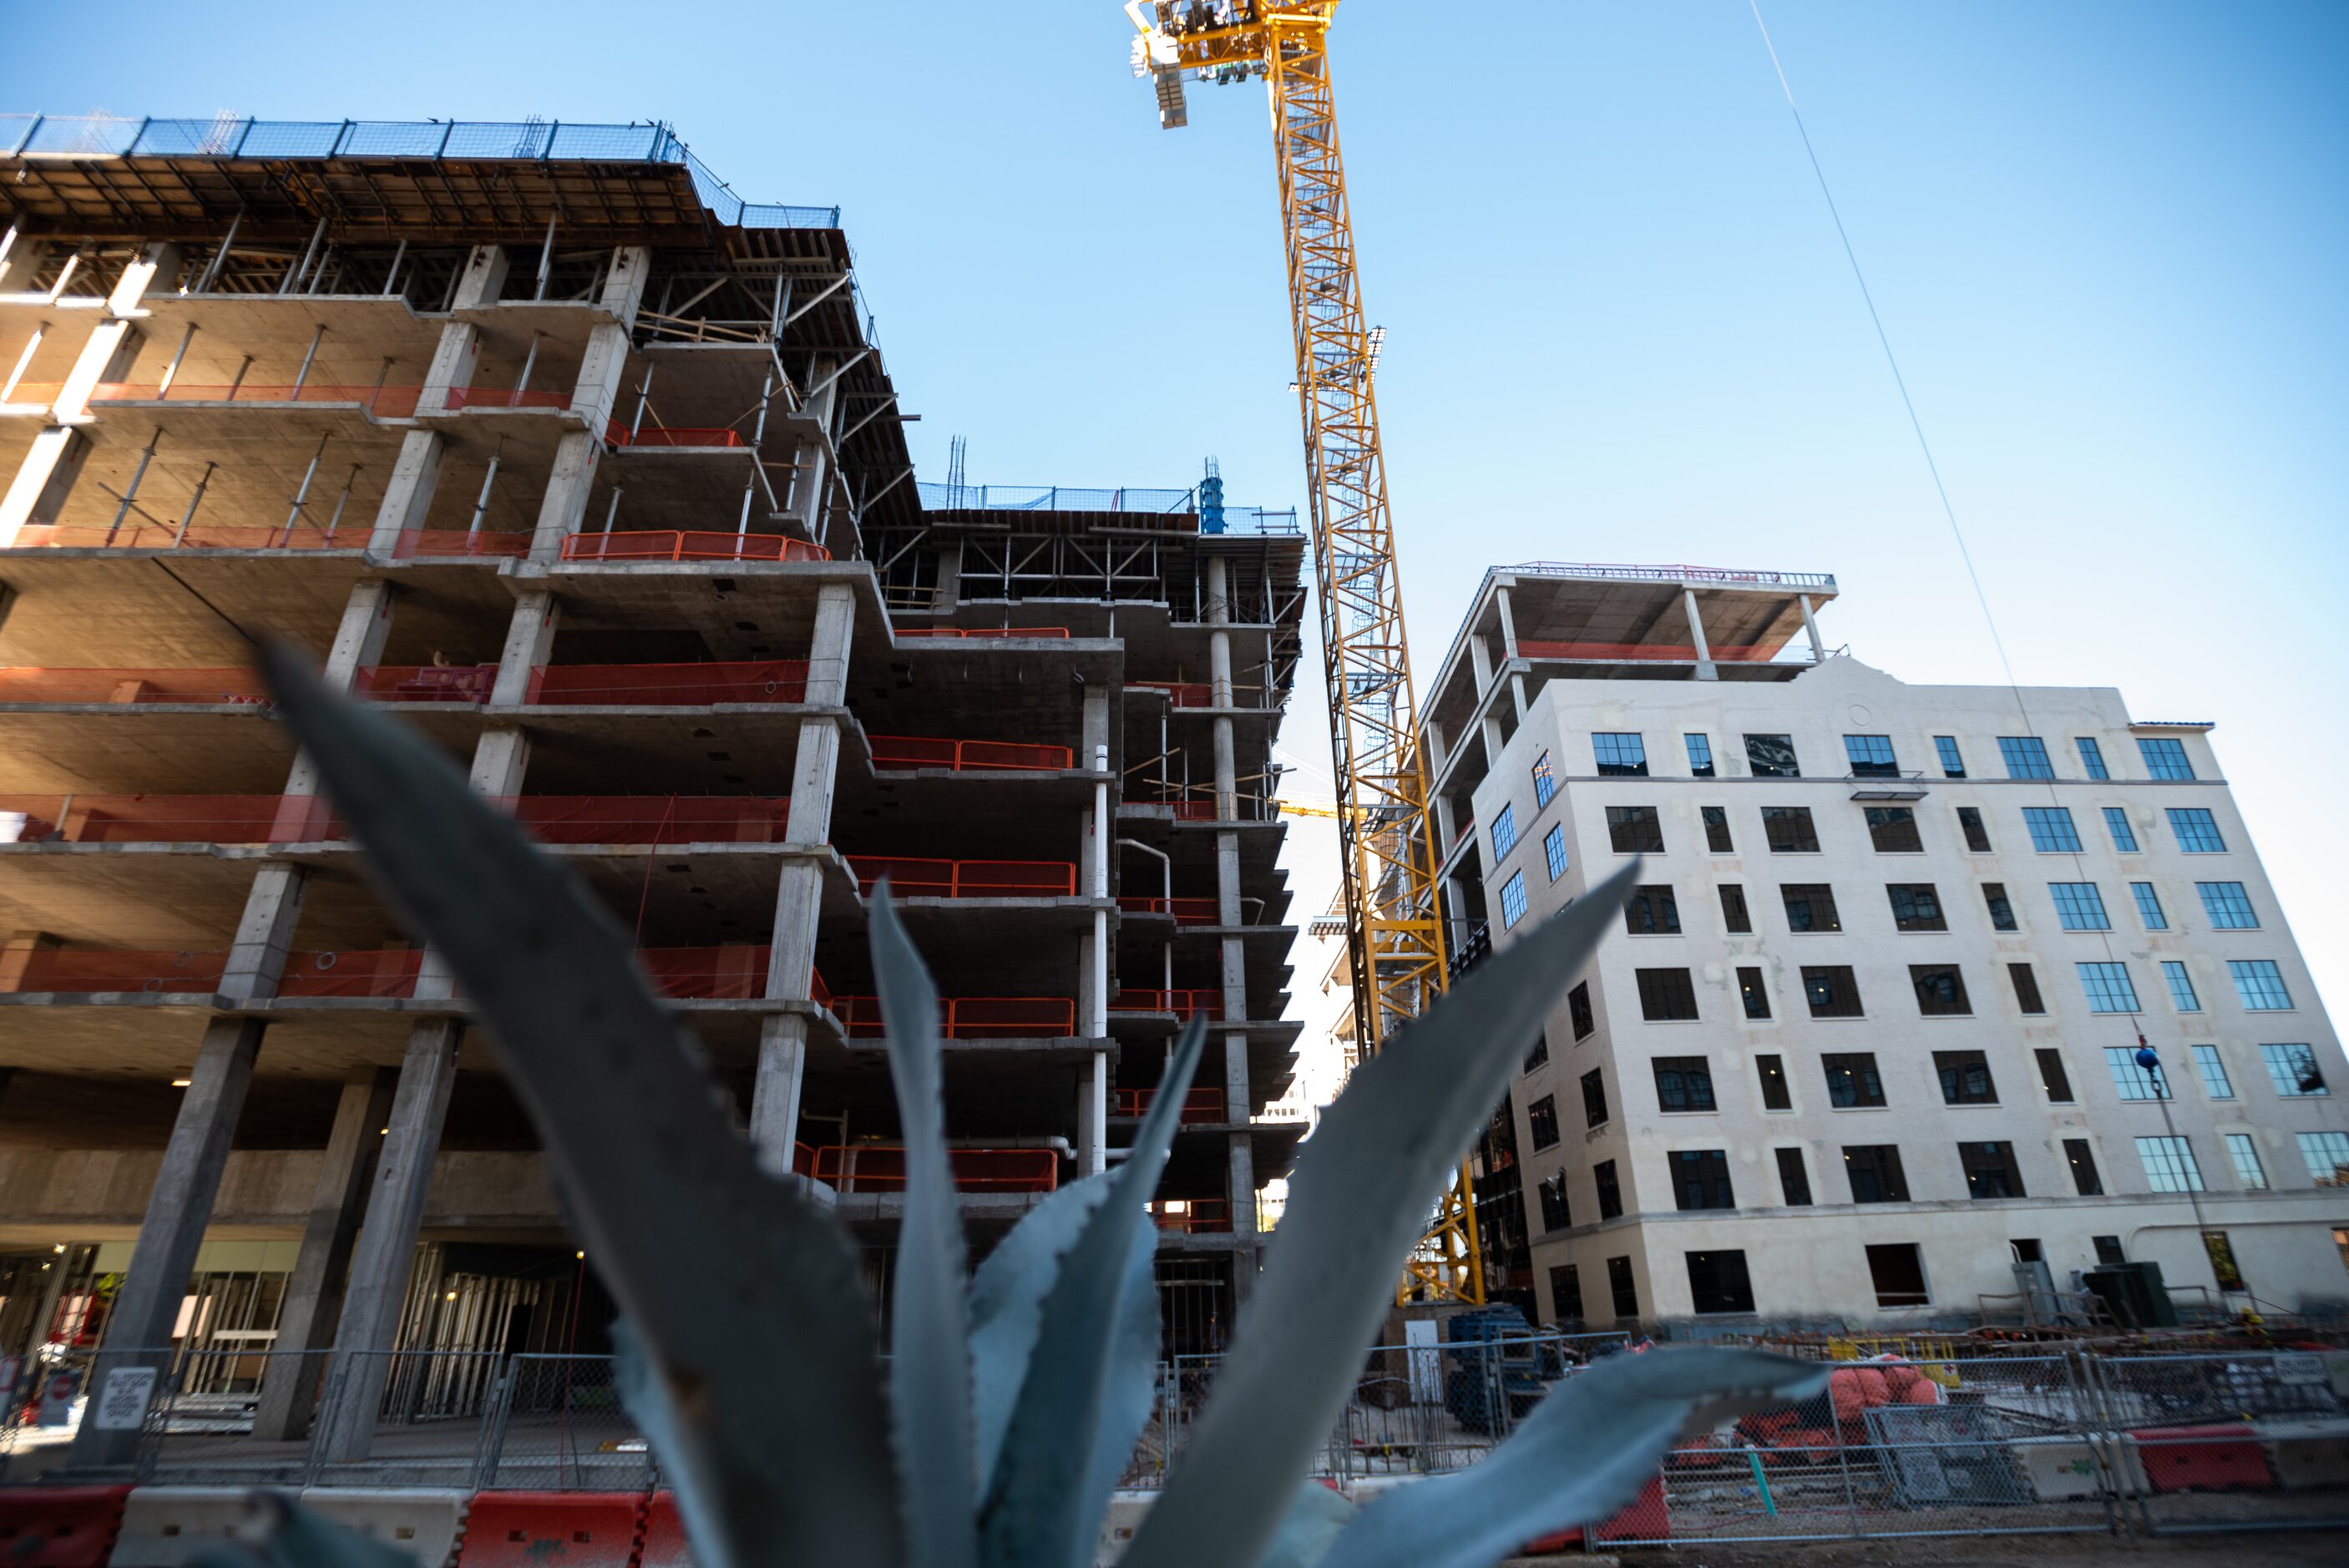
<point>1769,1084</point>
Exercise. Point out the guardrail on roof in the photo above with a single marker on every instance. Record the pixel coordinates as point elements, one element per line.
<point>1068,498</point>
<point>1731,576</point>
<point>531,140</point>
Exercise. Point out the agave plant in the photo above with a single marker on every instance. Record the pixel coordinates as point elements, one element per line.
<point>1013,1396</point>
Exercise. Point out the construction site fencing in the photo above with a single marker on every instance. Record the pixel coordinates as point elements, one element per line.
<point>1728,575</point>
<point>689,544</point>
<point>616,434</point>
<point>1183,910</point>
<point>880,1168</point>
<point>676,685</point>
<point>383,402</point>
<point>434,542</point>
<point>425,683</point>
<point>911,878</point>
<point>305,818</point>
<point>980,633</point>
<point>968,1017</point>
<point>968,755</point>
<point>1054,497</point>
<point>707,973</point>
<point>1182,1003</point>
<point>1200,1106</point>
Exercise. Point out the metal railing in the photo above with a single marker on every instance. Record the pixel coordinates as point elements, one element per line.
<point>309,819</point>
<point>917,751</point>
<point>1730,576</point>
<point>917,877</point>
<point>689,545</point>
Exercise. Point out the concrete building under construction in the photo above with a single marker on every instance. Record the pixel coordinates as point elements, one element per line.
<point>540,438</point>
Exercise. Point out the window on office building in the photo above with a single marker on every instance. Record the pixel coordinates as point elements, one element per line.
<point>1941,990</point>
<point>1551,1192</point>
<point>1538,1055</point>
<point>1734,916</point>
<point>1620,1286</point>
<point>1578,1010</point>
<point>2051,832</point>
<point>1753,993</point>
<point>1794,1182</point>
<point>1810,906</point>
<point>2169,1164</point>
<point>2226,906</point>
<point>1700,1179</point>
<point>1545,781</point>
<point>1953,761</point>
<point>1893,831</point>
<point>1565,1294</point>
<point>1652,910</point>
<point>2026,756</point>
<point>2026,988</point>
<point>1634,830</point>
<point>2213,1068</point>
<point>2181,987</point>
<point>1916,907</point>
<point>1594,1098</point>
<point>2079,906</point>
<point>2259,984</point>
<point>2082,1161</point>
<point>1700,756</point>
<point>1554,849</point>
<point>2326,1155</point>
<point>1683,1083</point>
<point>2196,831</point>
<point>2002,912</point>
<point>1610,1191</point>
<point>1621,755</point>
<point>1772,756</point>
<point>1990,1170</point>
<point>1898,1272</point>
<point>1776,1093</point>
<point>1512,899</point>
<point>1718,1282</point>
<point>2116,824</point>
<point>2131,1079</point>
<point>1541,1120</point>
<point>1875,1172</point>
<point>1831,991</point>
<point>2150,912</point>
<point>1787,830</point>
<point>2165,758</point>
<point>1852,1081</point>
<point>1970,823</point>
<point>2054,1081</point>
<point>1504,832</point>
<point>2243,1152</point>
<point>2292,1070</point>
<point>1716,830</point>
<point>1666,995</point>
<point>2107,987</point>
<point>1872,756</point>
<point>2092,756</point>
<point>1965,1078</point>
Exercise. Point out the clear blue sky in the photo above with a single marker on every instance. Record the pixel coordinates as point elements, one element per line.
<point>2107,239</point>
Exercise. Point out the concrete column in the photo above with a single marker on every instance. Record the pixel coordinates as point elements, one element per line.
<point>21,256</point>
<point>530,641</point>
<point>1480,662</point>
<point>1489,725</point>
<point>459,353</point>
<point>948,591</point>
<point>1439,747</point>
<point>1509,622</point>
<point>1811,626</point>
<point>775,1092</point>
<point>835,623</point>
<point>1517,693</point>
<point>408,497</point>
<point>178,1207</point>
<point>1446,835</point>
<point>602,368</point>
<point>386,1251</point>
<point>314,1295</point>
<point>811,477</point>
<point>1092,1115</point>
<point>564,505</point>
<point>1706,670</point>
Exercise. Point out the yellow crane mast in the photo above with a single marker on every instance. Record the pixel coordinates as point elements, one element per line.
<point>1394,929</point>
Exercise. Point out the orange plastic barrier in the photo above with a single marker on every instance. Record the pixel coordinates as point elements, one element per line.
<point>676,544</point>
<point>198,536</point>
<point>707,973</point>
<point>169,819</point>
<point>880,1168</point>
<point>504,398</point>
<point>75,970</point>
<point>388,971</point>
<point>980,632</point>
<point>1533,649</point>
<point>425,683</point>
<point>618,435</point>
<point>1200,1105</point>
<point>1193,1216</point>
<point>1182,1004</point>
<point>968,1017</point>
<point>1179,694</point>
<point>439,541</point>
<point>666,1546</point>
<point>533,1529</point>
<point>383,402</point>
<point>60,1526</point>
<point>1186,911</point>
<point>131,686</point>
<point>679,686</point>
<point>965,879</point>
<point>967,756</point>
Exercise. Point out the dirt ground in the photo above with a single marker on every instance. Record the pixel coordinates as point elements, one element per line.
<point>2293,1549</point>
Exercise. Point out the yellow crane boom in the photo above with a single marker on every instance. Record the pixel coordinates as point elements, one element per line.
<point>1393,926</point>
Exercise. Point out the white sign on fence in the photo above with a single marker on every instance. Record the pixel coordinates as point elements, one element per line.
<point>123,1403</point>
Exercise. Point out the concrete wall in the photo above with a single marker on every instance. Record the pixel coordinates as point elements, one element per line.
<point>263,1189</point>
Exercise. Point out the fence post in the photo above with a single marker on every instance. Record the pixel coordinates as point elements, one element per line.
<point>1843,1456</point>
<point>492,1443</point>
<point>314,1458</point>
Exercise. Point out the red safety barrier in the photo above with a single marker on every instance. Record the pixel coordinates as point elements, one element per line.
<point>1644,1518</point>
<point>965,879</point>
<point>653,819</point>
<point>1193,1216</point>
<point>967,756</point>
<point>60,1526</point>
<point>534,1529</point>
<point>666,1546</point>
<point>1534,648</point>
<point>618,435</point>
<point>81,972</point>
<point>439,542</point>
<point>1186,811</point>
<point>383,402</point>
<point>1179,694</point>
<point>880,1168</point>
<point>27,684</point>
<point>1186,911</point>
<point>668,685</point>
<point>965,1017</point>
<point>2227,1457</point>
<point>168,819</point>
<point>386,972</point>
<point>676,544</point>
<point>1182,1004</point>
<point>425,683</point>
<point>504,398</point>
<point>196,536</point>
<point>707,973</point>
<point>980,632</point>
<point>1200,1105</point>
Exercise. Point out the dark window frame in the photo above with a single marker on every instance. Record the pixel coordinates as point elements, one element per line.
<point>1790,831</point>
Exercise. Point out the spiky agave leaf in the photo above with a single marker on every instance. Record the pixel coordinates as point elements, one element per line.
<point>1007,1305</point>
<point>1361,1190</point>
<point>762,1354</point>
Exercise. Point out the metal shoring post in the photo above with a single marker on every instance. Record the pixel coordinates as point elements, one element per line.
<point>220,257</point>
<point>529,363</point>
<point>163,387</point>
<point>481,502</point>
<point>24,362</point>
<point>194,501</point>
<point>293,274</point>
<point>612,510</point>
<point>309,355</point>
<point>392,276</point>
<point>381,376</point>
<point>130,492</point>
<point>546,257</point>
<point>644,394</point>
<point>302,496</point>
<point>340,500</point>
<point>233,386</point>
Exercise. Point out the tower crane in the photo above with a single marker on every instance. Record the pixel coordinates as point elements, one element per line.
<point>1393,927</point>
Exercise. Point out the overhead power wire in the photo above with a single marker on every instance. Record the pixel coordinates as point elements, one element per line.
<point>1957,533</point>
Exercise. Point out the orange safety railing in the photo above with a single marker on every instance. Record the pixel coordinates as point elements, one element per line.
<point>385,971</point>
<point>437,542</point>
<point>34,394</point>
<point>425,683</point>
<point>1186,911</point>
<point>308,818</point>
<point>133,686</point>
<point>1186,811</point>
<point>685,544</point>
<point>707,973</point>
<point>504,398</point>
<point>668,685</point>
<point>1179,694</point>
<point>967,756</point>
<point>1193,1216</point>
<point>1534,648</point>
<point>980,632</point>
<point>968,1017</point>
<point>385,402</point>
<point>618,435</point>
<point>1201,1105</point>
<point>196,536</point>
<point>73,971</point>
<point>1205,1003</point>
<point>880,1168</point>
<point>965,879</point>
